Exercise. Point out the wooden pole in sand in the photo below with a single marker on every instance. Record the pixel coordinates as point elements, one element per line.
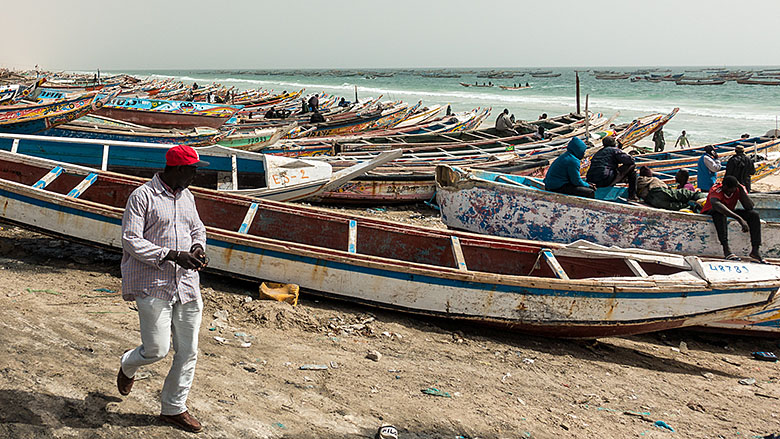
<point>587,120</point>
<point>356,99</point>
<point>577,82</point>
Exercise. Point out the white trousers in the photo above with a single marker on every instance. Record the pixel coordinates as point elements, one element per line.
<point>159,320</point>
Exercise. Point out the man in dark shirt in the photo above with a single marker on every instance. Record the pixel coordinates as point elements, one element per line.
<point>658,140</point>
<point>741,166</point>
<point>317,117</point>
<point>611,166</point>
<point>314,103</point>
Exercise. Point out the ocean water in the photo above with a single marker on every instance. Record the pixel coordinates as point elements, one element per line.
<point>708,113</point>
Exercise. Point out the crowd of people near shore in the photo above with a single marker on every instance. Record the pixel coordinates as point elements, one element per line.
<point>611,165</point>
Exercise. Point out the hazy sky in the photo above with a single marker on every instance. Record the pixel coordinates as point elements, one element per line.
<point>229,34</point>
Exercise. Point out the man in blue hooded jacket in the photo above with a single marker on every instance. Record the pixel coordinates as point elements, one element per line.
<point>564,173</point>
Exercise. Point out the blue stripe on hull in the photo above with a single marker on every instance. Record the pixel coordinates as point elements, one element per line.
<point>418,278</point>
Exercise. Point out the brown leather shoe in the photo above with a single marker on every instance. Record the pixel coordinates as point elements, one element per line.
<point>123,383</point>
<point>184,421</point>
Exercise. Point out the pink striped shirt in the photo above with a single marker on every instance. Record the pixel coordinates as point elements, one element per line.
<point>155,222</point>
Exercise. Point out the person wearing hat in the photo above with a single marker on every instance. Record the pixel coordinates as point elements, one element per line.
<point>707,169</point>
<point>164,243</point>
<point>741,166</point>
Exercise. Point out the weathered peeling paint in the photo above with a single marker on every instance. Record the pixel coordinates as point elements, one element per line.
<point>506,210</point>
<point>604,305</point>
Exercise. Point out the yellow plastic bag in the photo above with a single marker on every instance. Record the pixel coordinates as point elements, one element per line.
<point>281,292</point>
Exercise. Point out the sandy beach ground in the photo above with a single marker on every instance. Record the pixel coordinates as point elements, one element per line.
<point>62,336</point>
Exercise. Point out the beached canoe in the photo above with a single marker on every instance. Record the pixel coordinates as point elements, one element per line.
<point>643,127</point>
<point>229,170</point>
<point>13,93</point>
<point>674,159</point>
<point>98,127</point>
<point>157,113</point>
<point>519,207</point>
<point>33,118</point>
<point>529,286</point>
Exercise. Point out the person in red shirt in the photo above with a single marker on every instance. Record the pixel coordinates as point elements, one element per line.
<point>721,204</point>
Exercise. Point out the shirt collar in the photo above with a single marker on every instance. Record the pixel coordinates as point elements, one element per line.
<point>161,188</point>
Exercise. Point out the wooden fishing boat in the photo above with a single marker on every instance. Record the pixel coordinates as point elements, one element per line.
<point>700,82</point>
<point>575,292</point>
<point>508,87</point>
<point>612,76</point>
<point>409,178</point>
<point>420,117</point>
<point>229,170</point>
<point>358,123</point>
<point>98,127</point>
<point>158,113</point>
<point>545,75</point>
<point>33,118</point>
<point>479,138</point>
<point>518,207</point>
<point>454,124</point>
<point>671,161</point>
<point>396,183</point>
<point>254,140</point>
<point>767,204</point>
<point>643,127</point>
<point>13,93</point>
<point>758,81</point>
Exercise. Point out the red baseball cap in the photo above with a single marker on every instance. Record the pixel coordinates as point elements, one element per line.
<point>183,155</point>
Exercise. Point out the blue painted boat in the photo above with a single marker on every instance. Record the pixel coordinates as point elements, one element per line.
<point>229,170</point>
<point>565,291</point>
<point>97,127</point>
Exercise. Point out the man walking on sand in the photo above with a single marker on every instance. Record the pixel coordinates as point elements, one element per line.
<point>163,242</point>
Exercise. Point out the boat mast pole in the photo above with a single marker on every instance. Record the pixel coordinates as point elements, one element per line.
<point>577,82</point>
<point>356,98</point>
<point>587,120</point>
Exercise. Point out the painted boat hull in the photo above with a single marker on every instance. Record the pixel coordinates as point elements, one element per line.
<point>194,138</point>
<point>30,119</point>
<point>767,205</point>
<point>399,267</point>
<point>366,190</point>
<point>502,209</point>
<point>163,120</point>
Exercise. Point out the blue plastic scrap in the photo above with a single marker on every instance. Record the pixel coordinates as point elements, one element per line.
<point>662,424</point>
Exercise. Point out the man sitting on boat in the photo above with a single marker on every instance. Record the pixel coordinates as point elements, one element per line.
<point>316,117</point>
<point>657,194</point>
<point>707,169</point>
<point>741,166</point>
<point>563,176</point>
<point>610,166</point>
<point>721,203</point>
<point>504,125</point>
